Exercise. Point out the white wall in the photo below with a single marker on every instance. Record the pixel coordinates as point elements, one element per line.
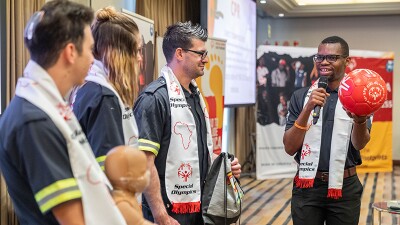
<point>379,33</point>
<point>118,4</point>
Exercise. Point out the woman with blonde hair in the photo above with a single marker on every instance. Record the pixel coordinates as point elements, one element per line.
<point>103,105</point>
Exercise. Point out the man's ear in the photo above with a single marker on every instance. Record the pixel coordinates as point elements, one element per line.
<point>179,54</point>
<point>70,53</point>
<point>348,60</point>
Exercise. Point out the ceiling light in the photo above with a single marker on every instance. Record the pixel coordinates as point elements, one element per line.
<point>263,1</point>
<point>335,2</point>
<point>281,15</point>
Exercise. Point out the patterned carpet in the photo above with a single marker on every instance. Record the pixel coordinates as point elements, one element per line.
<point>267,202</point>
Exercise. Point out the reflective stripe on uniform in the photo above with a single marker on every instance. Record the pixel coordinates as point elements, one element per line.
<point>101,160</point>
<point>147,145</point>
<point>57,193</point>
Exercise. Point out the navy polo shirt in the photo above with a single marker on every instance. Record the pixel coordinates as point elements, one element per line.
<point>35,163</point>
<point>99,114</point>
<point>295,108</point>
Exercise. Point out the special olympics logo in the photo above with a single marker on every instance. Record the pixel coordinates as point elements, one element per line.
<point>185,171</point>
<point>373,93</point>
<point>65,111</point>
<point>305,151</point>
<point>175,88</point>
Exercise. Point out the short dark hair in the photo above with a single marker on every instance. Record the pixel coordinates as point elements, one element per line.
<point>337,39</point>
<point>180,35</point>
<point>59,22</point>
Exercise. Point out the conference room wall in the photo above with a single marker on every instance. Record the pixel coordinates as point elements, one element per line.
<point>378,33</point>
<point>118,4</point>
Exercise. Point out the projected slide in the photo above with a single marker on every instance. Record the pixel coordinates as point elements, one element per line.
<point>235,21</point>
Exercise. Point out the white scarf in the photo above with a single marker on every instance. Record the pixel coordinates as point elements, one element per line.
<point>182,182</point>
<point>310,152</point>
<point>97,74</point>
<point>39,88</point>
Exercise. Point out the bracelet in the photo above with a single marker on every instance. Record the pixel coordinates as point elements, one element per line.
<point>301,127</point>
<point>360,123</point>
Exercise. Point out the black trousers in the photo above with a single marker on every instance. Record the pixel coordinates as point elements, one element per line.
<point>310,206</point>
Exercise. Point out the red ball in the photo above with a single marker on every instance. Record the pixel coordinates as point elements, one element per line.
<point>362,92</point>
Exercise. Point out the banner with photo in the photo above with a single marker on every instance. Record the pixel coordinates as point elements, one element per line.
<point>211,85</point>
<point>282,70</point>
<point>146,28</point>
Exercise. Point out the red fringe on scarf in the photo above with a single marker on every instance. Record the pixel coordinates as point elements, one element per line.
<point>309,183</point>
<point>185,207</point>
<point>304,182</point>
<point>334,193</point>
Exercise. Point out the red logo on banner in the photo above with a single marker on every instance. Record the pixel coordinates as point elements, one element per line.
<point>175,88</point>
<point>305,151</point>
<point>65,111</point>
<point>185,171</point>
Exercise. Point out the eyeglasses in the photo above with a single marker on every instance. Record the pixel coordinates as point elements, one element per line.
<point>202,54</point>
<point>329,58</point>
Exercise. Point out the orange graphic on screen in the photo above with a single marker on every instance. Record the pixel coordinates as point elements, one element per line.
<point>212,89</point>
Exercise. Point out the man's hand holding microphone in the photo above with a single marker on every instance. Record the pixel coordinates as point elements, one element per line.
<point>318,98</point>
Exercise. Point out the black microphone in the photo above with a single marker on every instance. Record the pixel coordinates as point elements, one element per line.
<point>322,83</point>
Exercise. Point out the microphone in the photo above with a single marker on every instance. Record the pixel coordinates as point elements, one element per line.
<point>322,83</point>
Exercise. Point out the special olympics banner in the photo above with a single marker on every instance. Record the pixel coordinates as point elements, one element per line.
<point>377,155</point>
<point>211,85</point>
<point>280,71</point>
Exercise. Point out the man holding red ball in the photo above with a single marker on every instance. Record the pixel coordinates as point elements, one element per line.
<point>326,139</point>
